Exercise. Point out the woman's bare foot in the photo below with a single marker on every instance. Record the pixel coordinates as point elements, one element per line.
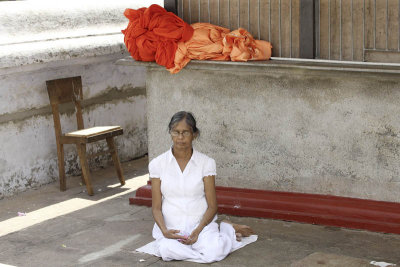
<point>241,229</point>
<point>238,236</point>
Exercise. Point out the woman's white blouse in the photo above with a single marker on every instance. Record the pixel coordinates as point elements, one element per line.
<point>183,196</point>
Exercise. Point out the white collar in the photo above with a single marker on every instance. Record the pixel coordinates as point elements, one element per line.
<point>194,158</point>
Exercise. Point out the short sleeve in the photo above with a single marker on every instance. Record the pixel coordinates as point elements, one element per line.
<point>209,168</point>
<point>154,169</point>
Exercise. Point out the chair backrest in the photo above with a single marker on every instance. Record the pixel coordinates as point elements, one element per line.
<point>65,90</point>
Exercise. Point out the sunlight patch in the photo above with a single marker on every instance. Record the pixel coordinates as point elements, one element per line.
<point>50,212</point>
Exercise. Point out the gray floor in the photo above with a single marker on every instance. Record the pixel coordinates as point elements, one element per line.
<point>72,229</point>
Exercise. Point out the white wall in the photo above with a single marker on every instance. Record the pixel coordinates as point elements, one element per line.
<point>43,41</point>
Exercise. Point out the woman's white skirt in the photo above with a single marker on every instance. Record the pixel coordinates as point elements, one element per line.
<point>213,244</point>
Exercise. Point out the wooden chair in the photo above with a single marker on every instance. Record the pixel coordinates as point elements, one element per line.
<point>70,90</point>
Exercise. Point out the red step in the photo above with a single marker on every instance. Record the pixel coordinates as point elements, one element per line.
<point>378,216</point>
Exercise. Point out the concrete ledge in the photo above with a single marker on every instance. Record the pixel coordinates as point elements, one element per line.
<point>17,55</point>
<point>278,63</point>
<point>44,31</point>
<point>377,216</point>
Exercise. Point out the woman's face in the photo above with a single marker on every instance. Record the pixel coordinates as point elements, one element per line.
<point>182,135</point>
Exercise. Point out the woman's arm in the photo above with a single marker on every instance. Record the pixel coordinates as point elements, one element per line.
<point>211,197</point>
<point>156,197</point>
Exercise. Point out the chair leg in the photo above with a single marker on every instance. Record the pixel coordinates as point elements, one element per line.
<point>85,167</point>
<point>117,164</point>
<point>61,168</point>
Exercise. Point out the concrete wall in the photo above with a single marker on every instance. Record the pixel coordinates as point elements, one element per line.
<point>299,127</point>
<point>44,41</point>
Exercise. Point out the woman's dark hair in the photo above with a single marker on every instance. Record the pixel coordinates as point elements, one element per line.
<point>188,117</point>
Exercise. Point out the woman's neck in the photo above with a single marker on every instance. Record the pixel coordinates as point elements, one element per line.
<point>182,153</point>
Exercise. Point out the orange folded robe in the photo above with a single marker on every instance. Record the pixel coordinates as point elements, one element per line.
<point>153,34</point>
<point>206,43</point>
<point>241,46</point>
<point>211,42</point>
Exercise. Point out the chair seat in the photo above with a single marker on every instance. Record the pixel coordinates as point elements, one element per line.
<point>90,135</point>
<point>88,132</point>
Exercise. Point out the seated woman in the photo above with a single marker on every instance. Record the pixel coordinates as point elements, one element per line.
<point>184,202</point>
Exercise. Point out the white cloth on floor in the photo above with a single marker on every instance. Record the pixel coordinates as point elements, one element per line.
<point>183,206</point>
